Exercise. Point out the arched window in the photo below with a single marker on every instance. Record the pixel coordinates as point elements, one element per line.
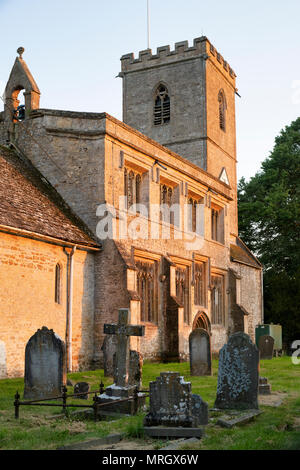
<point>18,99</point>
<point>161,106</point>
<point>200,285</point>
<point>132,187</point>
<point>182,290</point>
<point>58,283</point>
<point>217,299</point>
<point>222,110</point>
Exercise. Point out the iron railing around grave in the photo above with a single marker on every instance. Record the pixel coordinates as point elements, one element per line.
<point>95,406</point>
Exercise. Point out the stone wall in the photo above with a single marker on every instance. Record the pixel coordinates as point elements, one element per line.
<point>84,159</point>
<point>27,302</point>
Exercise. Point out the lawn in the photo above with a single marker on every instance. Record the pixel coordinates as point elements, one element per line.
<point>276,428</point>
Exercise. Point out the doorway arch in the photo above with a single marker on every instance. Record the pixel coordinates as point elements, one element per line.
<point>201,320</point>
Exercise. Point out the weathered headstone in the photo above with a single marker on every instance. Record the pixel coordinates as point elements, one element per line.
<point>200,352</point>
<point>135,368</point>
<point>45,368</point>
<point>172,405</point>
<point>199,409</point>
<point>109,349</point>
<point>266,347</point>
<point>121,388</point>
<point>238,374</point>
<point>264,388</point>
<point>82,389</point>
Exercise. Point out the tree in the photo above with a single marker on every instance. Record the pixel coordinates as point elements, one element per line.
<point>269,223</point>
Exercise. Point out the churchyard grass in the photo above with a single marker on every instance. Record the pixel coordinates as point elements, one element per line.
<point>276,428</point>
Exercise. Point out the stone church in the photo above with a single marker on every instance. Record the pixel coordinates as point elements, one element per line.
<point>98,214</point>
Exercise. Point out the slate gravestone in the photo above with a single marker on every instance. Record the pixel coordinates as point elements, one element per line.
<point>266,347</point>
<point>45,371</point>
<point>82,388</point>
<point>135,368</point>
<point>172,403</point>
<point>200,352</point>
<point>238,374</point>
<point>109,349</point>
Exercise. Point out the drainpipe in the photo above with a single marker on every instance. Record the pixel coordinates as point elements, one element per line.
<point>70,269</point>
<point>262,297</point>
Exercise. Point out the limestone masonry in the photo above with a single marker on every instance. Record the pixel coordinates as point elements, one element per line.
<point>176,147</point>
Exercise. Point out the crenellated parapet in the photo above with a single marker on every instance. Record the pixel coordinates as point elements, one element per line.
<point>201,47</point>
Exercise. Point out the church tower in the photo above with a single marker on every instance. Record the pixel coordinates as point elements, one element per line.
<point>185,100</point>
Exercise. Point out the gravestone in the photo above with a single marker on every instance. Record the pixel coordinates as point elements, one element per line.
<point>82,388</point>
<point>266,347</point>
<point>109,349</point>
<point>264,388</point>
<point>200,352</point>
<point>45,367</point>
<point>135,368</point>
<point>199,409</point>
<point>172,405</point>
<point>122,388</point>
<point>238,374</point>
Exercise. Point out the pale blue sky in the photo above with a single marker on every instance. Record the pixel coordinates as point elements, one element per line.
<point>73,50</point>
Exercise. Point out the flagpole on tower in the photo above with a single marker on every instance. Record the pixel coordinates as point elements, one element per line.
<point>148,24</point>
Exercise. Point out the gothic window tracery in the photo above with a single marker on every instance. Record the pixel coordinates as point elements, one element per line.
<point>192,213</point>
<point>146,288</point>
<point>162,106</point>
<point>200,285</point>
<point>132,187</point>
<point>217,299</point>
<point>167,198</point>
<point>217,224</point>
<point>182,290</point>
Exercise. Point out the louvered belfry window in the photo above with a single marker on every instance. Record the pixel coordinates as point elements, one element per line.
<point>161,106</point>
<point>222,110</point>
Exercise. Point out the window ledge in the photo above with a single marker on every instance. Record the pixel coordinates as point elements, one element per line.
<point>217,243</point>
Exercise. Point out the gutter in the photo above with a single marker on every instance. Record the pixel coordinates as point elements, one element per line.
<point>46,239</point>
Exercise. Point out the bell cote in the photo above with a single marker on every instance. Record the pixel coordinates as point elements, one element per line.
<point>20,79</point>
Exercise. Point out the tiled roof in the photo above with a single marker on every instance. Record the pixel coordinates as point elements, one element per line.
<point>241,253</point>
<point>29,202</point>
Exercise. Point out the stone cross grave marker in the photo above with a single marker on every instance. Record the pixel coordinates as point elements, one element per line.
<point>238,374</point>
<point>200,352</point>
<point>45,368</point>
<point>266,347</point>
<point>123,330</point>
<point>135,368</point>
